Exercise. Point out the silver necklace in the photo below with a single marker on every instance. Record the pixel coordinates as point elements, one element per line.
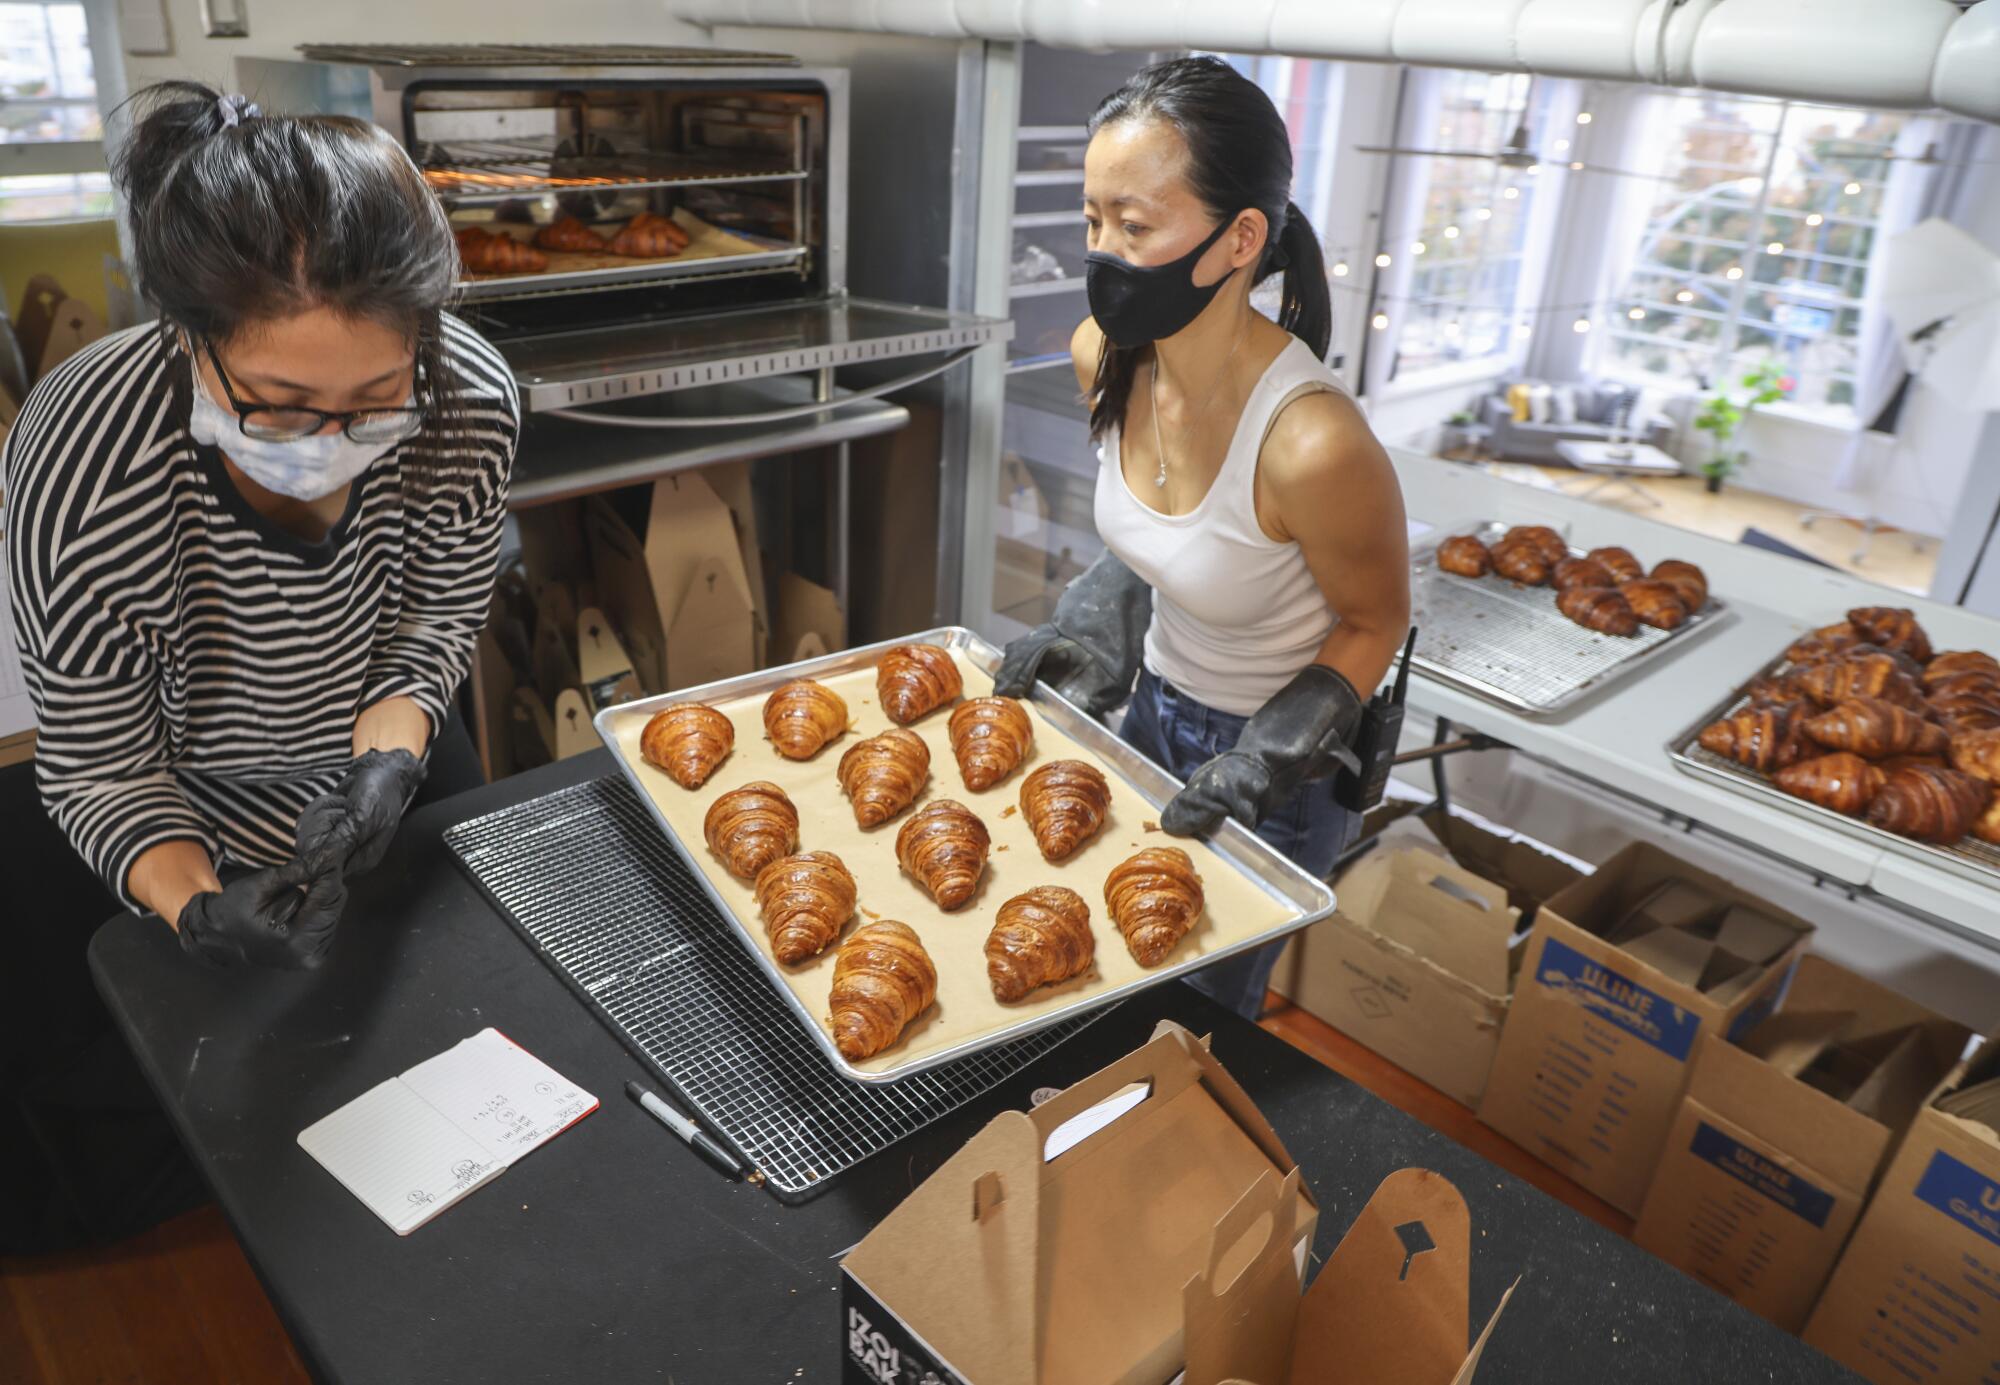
<point>1153,390</point>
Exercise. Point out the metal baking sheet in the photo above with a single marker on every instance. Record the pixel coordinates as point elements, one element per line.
<point>1971,858</point>
<point>1509,644</point>
<point>1254,895</point>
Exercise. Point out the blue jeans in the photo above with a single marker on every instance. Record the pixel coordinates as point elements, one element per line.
<point>1181,734</point>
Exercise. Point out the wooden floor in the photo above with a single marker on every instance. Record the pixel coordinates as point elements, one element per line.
<point>179,1305</point>
<point>1892,557</point>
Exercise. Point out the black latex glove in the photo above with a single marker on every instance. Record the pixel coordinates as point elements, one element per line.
<point>1300,735</point>
<point>283,917</point>
<point>1090,648</point>
<point>350,829</point>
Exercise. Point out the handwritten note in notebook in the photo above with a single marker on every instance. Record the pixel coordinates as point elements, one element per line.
<point>416,1144</point>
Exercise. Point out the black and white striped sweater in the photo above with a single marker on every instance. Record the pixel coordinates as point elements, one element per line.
<point>196,671</point>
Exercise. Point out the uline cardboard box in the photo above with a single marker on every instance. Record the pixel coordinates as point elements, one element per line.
<point>1916,1296</point>
<point>1595,1053</point>
<point>1147,1226</point>
<point>1779,1138</point>
<point>1417,962</point>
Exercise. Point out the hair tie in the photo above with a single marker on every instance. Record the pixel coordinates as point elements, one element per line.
<point>235,108</point>
<point>1276,258</point>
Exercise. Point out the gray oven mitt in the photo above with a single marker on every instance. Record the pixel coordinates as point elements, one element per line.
<point>349,830</point>
<point>282,917</point>
<point>1300,735</point>
<point>1089,650</point>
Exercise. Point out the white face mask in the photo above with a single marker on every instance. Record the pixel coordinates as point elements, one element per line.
<point>302,468</point>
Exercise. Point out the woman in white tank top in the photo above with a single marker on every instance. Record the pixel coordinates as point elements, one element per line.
<point>1256,579</point>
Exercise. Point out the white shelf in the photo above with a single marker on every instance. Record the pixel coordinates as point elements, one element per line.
<point>1030,134</point>
<point>1048,177</point>
<point>1069,216</point>
<point>1041,288</point>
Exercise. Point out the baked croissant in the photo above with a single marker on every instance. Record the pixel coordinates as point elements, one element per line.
<point>1975,708</point>
<point>567,233</point>
<point>1547,544</point>
<point>1871,675</point>
<point>1929,804</point>
<point>1977,753</point>
<point>1599,608</point>
<point>1762,738</point>
<point>1619,561</point>
<point>1892,627</point>
<point>646,237</point>
<point>751,827</point>
<point>1966,681</point>
<point>944,846</point>
<point>1960,661</point>
<point>1038,938</point>
<point>989,737</point>
<point>1872,729</point>
<point>884,774</point>
<point>806,900</point>
<point>1154,899</point>
<point>1842,781</point>
<point>1987,828</point>
<point>1685,578</point>
<point>1519,562</point>
<point>1823,643</point>
<point>1655,602</point>
<point>802,716</point>
<point>687,740</point>
<point>1464,556</point>
<point>882,980</point>
<point>486,252</point>
<point>913,679</point>
<point>1580,572</point>
<point>662,225</point>
<point>1065,803</point>
<point>1889,764</point>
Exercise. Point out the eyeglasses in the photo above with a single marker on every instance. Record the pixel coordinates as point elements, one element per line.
<point>288,422</point>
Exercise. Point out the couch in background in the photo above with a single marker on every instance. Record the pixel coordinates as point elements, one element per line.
<point>1582,412</point>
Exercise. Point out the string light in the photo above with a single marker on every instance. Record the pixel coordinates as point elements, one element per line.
<point>1582,324</point>
<point>1451,328</point>
<point>1382,260</point>
<point>1416,247</point>
<point>1575,167</point>
<point>1510,193</point>
<point>1776,247</point>
<point>1851,189</point>
<point>1451,233</point>
<point>1583,117</point>
<point>1815,219</point>
<point>1379,321</point>
<point>1561,145</point>
<point>1340,269</point>
<point>1684,296</point>
<point>1533,169</point>
<point>1483,214</point>
<point>1637,314</point>
<point>1734,271</point>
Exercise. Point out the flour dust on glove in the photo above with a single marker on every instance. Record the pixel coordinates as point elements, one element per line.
<point>1090,648</point>
<point>1303,733</point>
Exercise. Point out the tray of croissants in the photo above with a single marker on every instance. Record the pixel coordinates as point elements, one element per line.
<point>494,249</point>
<point>1517,615</point>
<point>1864,724</point>
<point>926,869</point>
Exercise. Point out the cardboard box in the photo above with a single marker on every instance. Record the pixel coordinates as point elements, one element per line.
<point>1416,963</point>
<point>1035,1255</point>
<point>1779,1138</point>
<point>1916,1296</point>
<point>1595,1053</point>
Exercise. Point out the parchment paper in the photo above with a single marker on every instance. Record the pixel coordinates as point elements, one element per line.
<point>1236,906</point>
<point>709,243</point>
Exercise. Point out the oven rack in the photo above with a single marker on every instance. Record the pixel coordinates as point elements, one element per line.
<point>467,182</point>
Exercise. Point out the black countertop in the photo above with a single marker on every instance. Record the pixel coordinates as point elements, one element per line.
<point>615,1254</point>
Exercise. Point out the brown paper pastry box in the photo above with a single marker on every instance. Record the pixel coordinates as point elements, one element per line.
<point>1916,1296</point>
<point>1145,1224</point>
<point>1780,1136</point>
<point>1619,979</point>
<point>1417,962</point>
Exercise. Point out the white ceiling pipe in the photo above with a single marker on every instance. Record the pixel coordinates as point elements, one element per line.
<point>992,19</point>
<point>1458,33</point>
<point>1967,76</point>
<point>1863,52</point>
<point>1226,26</point>
<point>1360,29</point>
<point>922,18</point>
<point>1104,24</point>
<point>1578,38</point>
<point>1668,59</point>
<point>843,16</point>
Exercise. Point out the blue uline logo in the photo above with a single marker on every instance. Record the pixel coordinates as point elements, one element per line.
<point>1962,1193</point>
<point>1769,1178</point>
<point>1618,999</point>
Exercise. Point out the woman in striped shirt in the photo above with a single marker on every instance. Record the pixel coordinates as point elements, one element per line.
<point>251,545</point>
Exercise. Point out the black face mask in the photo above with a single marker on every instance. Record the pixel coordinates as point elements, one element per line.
<point>1137,304</point>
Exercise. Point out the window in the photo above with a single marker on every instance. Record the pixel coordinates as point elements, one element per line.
<point>1465,265</point>
<point>1756,246</point>
<point>48,98</point>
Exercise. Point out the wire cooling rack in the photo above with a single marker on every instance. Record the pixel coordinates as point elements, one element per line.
<point>583,875</point>
<point>1510,645</point>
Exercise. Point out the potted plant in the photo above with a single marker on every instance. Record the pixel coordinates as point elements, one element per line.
<point>1457,434</point>
<point>1721,416</point>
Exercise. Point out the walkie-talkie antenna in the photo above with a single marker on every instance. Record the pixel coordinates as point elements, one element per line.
<point>1403,674</point>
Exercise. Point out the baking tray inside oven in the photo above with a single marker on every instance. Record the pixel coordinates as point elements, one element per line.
<point>1509,644</point>
<point>1253,895</point>
<point>1969,857</point>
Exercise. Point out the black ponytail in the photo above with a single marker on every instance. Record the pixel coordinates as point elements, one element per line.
<point>239,218</point>
<point>1239,157</point>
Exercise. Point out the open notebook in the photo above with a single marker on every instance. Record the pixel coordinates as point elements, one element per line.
<point>416,1144</point>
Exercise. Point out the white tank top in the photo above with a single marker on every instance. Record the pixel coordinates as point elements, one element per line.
<point>1235,615</point>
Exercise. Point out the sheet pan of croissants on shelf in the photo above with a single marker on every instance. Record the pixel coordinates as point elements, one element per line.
<point>929,864</point>
<point>1606,589</point>
<point>1863,717</point>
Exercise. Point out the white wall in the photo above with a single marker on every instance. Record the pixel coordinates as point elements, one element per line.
<point>276,26</point>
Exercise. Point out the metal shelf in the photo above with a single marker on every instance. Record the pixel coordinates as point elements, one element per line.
<point>1041,288</point>
<point>1068,216</point>
<point>469,182</point>
<point>1047,177</point>
<point>637,273</point>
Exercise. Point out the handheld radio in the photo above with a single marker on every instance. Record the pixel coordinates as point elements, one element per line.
<point>1375,741</point>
